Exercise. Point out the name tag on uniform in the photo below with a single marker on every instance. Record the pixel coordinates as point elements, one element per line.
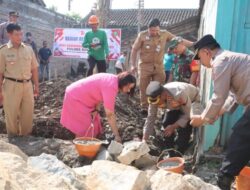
<point>11,59</point>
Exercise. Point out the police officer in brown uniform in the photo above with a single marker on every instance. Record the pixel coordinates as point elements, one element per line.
<point>180,100</point>
<point>18,67</point>
<point>231,76</point>
<point>13,16</point>
<point>151,44</point>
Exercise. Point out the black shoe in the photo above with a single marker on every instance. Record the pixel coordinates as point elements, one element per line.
<point>225,181</point>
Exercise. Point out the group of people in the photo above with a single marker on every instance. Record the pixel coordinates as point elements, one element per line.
<point>44,54</point>
<point>83,98</point>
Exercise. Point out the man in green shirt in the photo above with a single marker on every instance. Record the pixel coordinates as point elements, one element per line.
<point>97,44</point>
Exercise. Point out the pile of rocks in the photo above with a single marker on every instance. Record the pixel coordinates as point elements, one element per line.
<point>36,172</point>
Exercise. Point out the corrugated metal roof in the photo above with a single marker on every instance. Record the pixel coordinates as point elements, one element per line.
<point>128,17</point>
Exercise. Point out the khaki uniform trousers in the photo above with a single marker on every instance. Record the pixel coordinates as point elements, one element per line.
<point>18,103</point>
<point>149,72</point>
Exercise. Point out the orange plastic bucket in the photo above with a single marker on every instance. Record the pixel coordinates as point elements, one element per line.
<point>87,146</point>
<point>243,180</point>
<point>173,164</point>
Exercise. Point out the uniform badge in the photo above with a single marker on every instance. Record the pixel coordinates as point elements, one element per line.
<point>158,48</point>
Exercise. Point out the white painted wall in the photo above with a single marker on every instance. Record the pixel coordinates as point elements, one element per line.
<point>207,26</point>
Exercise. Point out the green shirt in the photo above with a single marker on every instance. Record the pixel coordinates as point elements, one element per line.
<point>99,39</point>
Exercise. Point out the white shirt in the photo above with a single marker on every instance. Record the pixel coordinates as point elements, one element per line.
<point>120,62</point>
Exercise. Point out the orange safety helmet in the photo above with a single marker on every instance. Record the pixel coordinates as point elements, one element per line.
<point>93,19</point>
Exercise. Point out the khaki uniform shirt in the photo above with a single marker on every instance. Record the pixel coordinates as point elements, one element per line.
<point>231,76</point>
<point>17,63</point>
<point>3,33</point>
<point>152,49</point>
<point>184,93</point>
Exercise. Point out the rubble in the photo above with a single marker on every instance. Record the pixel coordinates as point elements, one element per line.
<point>146,162</point>
<point>10,148</point>
<point>17,174</point>
<point>107,175</point>
<point>115,148</point>
<point>83,171</point>
<point>132,150</point>
<point>162,180</point>
<point>64,150</point>
<point>50,164</point>
<point>103,155</point>
<point>48,171</point>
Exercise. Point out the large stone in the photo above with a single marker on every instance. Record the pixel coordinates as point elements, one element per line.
<point>198,183</point>
<point>6,147</point>
<point>34,146</point>
<point>50,164</point>
<point>83,171</point>
<point>107,175</point>
<point>115,148</point>
<point>133,150</point>
<point>146,161</point>
<point>16,175</point>
<point>103,155</point>
<point>162,180</point>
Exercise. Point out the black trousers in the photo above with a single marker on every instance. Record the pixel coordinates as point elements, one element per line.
<point>183,134</point>
<point>238,152</point>
<point>101,65</point>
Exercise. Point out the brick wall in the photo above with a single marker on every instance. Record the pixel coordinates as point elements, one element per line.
<point>41,23</point>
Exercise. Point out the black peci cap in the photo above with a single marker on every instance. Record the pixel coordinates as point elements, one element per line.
<point>203,42</point>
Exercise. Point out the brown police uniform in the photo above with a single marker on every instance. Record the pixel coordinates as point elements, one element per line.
<point>16,65</point>
<point>231,76</point>
<point>151,67</point>
<point>181,92</point>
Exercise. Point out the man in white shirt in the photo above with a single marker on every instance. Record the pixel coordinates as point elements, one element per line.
<point>120,63</point>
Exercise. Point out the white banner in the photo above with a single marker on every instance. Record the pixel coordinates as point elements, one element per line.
<point>68,43</point>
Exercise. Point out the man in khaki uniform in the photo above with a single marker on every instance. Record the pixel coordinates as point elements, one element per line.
<point>231,76</point>
<point>151,44</point>
<point>13,16</point>
<point>18,66</point>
